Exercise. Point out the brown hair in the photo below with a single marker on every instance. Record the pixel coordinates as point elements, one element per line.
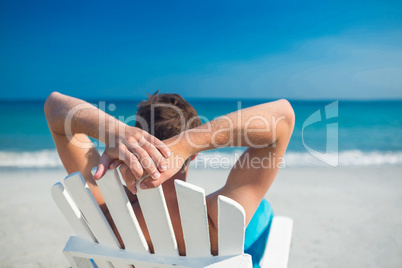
<point>166,115</point>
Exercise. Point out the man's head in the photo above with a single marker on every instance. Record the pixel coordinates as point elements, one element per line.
<point>166,115</point>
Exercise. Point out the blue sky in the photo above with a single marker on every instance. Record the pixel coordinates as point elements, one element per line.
<point>258,49</point>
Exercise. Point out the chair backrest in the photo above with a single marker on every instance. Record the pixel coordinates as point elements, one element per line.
<point>97,243</point>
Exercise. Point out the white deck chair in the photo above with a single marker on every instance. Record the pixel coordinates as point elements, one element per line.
<point>96,245</point>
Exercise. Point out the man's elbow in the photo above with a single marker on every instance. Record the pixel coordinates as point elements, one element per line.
<point>50,103</point>
<point>288,112</point>
<point>51,107</point>
<point>287,120</point>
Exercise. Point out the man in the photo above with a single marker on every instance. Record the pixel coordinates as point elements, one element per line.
<point>167,135</point>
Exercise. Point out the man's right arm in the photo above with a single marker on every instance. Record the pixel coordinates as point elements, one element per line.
<point>71,121</point>
<point>265,129</point>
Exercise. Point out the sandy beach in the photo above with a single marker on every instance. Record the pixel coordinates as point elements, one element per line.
<point>343,217</point>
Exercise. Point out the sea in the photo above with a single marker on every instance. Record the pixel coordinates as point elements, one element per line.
<point>327,133</point>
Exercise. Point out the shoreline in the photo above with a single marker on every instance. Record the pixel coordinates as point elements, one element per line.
<point>343,217</point>
<point>224,159</point>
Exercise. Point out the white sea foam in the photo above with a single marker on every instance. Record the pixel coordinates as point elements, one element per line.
<point>217,159</point>
<point>37,159</point>
<point>346,158</point>
<point>305,159</point>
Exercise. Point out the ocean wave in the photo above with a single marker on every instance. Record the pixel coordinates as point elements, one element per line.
<point>345,158</point>
<point>304,159</point>
<point>217,159</point>
<point>36,159</point>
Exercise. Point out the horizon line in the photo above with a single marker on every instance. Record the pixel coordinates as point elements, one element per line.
<point>122,99</point>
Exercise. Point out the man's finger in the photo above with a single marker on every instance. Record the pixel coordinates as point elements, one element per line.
<point>149,183</point>
<point>159,145</point>
<point>157,157</point>
<point>147,163</point>
<point>115,164</point>
<point>104,163</point>
<point>132,162</point>
<point>129,178</point>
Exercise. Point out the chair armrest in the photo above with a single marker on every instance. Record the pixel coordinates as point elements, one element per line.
<point>276,253</point>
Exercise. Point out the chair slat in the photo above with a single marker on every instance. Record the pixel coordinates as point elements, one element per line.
<point>194,219</point>
<point>83,197</point>
<point>156,215</point>
<point>71,212</point>
<point>276,253</point>
<point>74,217</point>
<point>231,227</point>
<point>122,212</point>
<point>95,218</point>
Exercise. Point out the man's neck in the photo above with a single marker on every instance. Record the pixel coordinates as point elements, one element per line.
<point>168,186</point>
